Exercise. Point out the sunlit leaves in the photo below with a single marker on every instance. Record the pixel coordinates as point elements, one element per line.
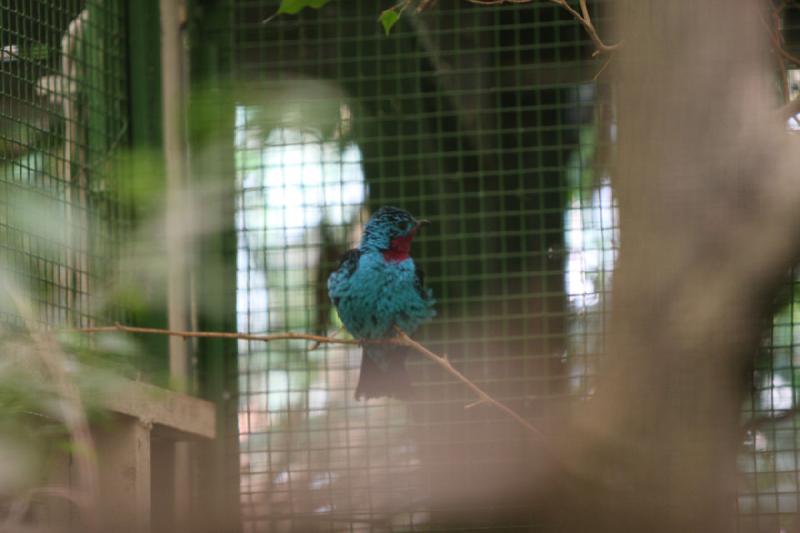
<point>292,7</point>
<point>388,19</point>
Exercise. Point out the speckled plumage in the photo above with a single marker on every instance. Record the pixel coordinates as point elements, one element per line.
<point>376,287</point>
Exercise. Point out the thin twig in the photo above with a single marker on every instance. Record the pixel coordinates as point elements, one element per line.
<point>400,6</point>
<point>773,28</point>
<point>584,10</point>
<point>602,48</point>
<point>216,334</point>
<point>603,68</point>
<point>778,43</point>
<point>425,4</point>
<point>400,339</point>
<point>583,17</point>
<point>785,53</point>
<point>405,340</point>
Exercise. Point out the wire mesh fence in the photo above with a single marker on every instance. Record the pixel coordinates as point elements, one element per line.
<point>489,123</point>
<point>63,115</point>
<point>486,120</point>
<point>481,120</point>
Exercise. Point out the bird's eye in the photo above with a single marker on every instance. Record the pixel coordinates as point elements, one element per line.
<point>405,225</point>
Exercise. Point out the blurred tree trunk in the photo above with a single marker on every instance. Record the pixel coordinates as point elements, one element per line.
<point>708,197</point>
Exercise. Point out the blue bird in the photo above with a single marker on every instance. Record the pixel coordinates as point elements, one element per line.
<point>377,287</point>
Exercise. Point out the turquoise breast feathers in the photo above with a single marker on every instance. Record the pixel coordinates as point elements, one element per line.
<point>376,288</point>
<point>373,295</point>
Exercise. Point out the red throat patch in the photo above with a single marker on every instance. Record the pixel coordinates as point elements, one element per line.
<point>400,249</point>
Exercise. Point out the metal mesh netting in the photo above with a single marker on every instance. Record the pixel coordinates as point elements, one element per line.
<point>484,120</point>
<point>63,114</point>
<point>488,122</point>
<point>481,120</point>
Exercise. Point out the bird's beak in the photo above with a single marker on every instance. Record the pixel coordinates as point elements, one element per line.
<point>422,222</point>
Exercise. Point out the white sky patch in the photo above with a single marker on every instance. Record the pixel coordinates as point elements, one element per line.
<point>290,182</point>
<point>301,180</point>
<point>779,396</point>
<point>591,236</point>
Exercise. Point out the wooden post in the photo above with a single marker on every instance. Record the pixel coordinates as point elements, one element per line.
<point>123,451</point>
<point>144,414</point>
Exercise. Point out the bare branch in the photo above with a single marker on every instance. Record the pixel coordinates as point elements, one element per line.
<point>425,4</point>
<point>778,43</point>
<point>603,68</point>
<point>217,334</point>
<point>401,339</point>
<point>476,403</point>
<point>584,10</point>
<point>444,363</point>
<point>399,6</point>
<point>583,17</point>
<point>585,20</point>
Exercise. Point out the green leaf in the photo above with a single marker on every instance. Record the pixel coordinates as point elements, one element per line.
<point>292,7</point>
<point>388,19</point>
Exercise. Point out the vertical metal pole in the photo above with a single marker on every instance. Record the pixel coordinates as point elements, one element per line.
<point>173,98</point>
<point>211,164</point>
<point>175,153</point>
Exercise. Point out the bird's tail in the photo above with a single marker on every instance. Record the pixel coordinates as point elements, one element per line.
<point>383,372</point>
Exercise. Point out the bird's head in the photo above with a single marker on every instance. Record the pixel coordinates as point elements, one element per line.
<point>390,230</point>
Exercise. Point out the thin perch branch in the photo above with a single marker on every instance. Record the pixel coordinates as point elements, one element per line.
<point>217,334</point>
<point>483,396</point>
<point>400,339</point>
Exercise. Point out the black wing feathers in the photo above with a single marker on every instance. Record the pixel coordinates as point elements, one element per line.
<point>350,260</point>
<point>419,283</point>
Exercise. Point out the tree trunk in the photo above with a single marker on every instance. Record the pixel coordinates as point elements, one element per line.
<point>708,226</point>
